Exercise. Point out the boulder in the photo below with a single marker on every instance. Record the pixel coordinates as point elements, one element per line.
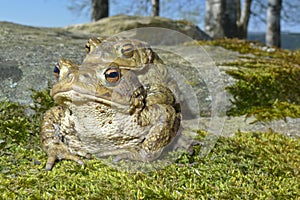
<point>150,29</point>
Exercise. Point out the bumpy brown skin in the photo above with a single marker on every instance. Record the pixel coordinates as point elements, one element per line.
<point>115,104</point>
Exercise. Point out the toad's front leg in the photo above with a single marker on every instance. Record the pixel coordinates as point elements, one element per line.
<point>52,138</point>
<point>163,117</point>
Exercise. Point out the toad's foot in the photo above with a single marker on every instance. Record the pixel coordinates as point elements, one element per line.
<point>60,152</point>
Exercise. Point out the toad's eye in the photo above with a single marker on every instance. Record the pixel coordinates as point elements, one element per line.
<point>56,70</point>
<point>127,50</point>
<point>112,75</point>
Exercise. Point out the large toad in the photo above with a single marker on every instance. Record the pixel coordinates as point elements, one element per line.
<point>115,104</point>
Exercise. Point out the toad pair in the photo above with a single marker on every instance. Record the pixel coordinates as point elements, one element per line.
<point>119,102</point>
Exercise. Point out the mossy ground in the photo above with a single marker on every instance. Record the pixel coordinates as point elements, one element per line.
<point>253,165</point>
<point>246,166</point>
<point>267,85</point>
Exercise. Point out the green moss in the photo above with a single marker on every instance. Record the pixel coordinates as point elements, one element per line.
<point>18,127</point>
<point>267,85</point>
<point>14,125</point>
<point>247,166</point>
<point>42,101</point>
<point>253,47</point>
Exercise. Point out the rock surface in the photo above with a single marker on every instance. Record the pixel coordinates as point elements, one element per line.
<point>28,55</point>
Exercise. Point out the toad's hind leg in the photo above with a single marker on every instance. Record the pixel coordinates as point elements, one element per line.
<point>51,138</point>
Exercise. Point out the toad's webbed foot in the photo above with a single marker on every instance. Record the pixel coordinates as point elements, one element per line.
<point>60,151</point>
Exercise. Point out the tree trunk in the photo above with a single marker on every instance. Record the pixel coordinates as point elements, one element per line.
<point>273,23</point>
<point>99,9</point>
<point>221,18</point>
<point>214,18</point>
<point>243,18</point>
<point>230,18</point>
<point>155,7</point>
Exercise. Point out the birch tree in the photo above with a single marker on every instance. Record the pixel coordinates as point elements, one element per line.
<point>155,7</point>
<point>243,17</point>
<point>273,23</point>
<point>214,18</point>
<point>226,18</point>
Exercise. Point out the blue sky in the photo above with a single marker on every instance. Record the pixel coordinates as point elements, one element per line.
<point>44,13</point>
<point>55,13</point>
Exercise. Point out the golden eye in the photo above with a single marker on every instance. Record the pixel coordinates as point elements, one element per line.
<point>127,50</point>
<point>112,75</point>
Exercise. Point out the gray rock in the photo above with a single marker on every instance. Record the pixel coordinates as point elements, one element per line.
<point>27,57</point>
<point>117,24</point>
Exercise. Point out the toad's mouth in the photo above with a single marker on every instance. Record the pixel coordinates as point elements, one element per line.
<point>79,96</point>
